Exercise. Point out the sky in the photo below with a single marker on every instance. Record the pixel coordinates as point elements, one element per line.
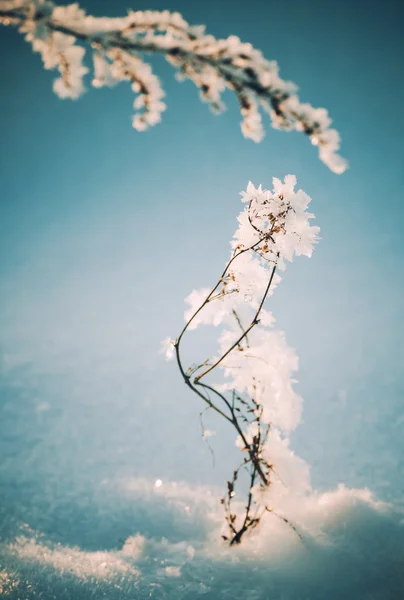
<point>104,231</point>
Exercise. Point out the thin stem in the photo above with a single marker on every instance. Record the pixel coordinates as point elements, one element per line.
<point>239,323</point>
<point>237,538</point>
<point>208,298</point>
<point>244,334</point>
<point>193,388</point>
<point>287,521</point>
<point>235,422</point>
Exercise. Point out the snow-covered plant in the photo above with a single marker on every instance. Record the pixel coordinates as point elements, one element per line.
<point>61,34</point>
<point>257,396</point>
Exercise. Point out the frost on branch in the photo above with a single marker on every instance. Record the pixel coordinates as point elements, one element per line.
<point>58,51</point>
<point>118,45</point>
<point>255,394</point>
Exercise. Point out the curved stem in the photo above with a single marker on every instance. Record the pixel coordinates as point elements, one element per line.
<point>244,334</point>
<point>193,388</point>
<point>208,298</point>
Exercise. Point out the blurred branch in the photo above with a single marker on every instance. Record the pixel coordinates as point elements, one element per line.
<point>118,46</point>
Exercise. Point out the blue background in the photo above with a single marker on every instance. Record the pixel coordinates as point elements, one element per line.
<point>104,231</point>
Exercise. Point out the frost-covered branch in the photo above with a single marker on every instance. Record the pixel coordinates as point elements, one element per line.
<point>117,46</point>
<point>256,395</point>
